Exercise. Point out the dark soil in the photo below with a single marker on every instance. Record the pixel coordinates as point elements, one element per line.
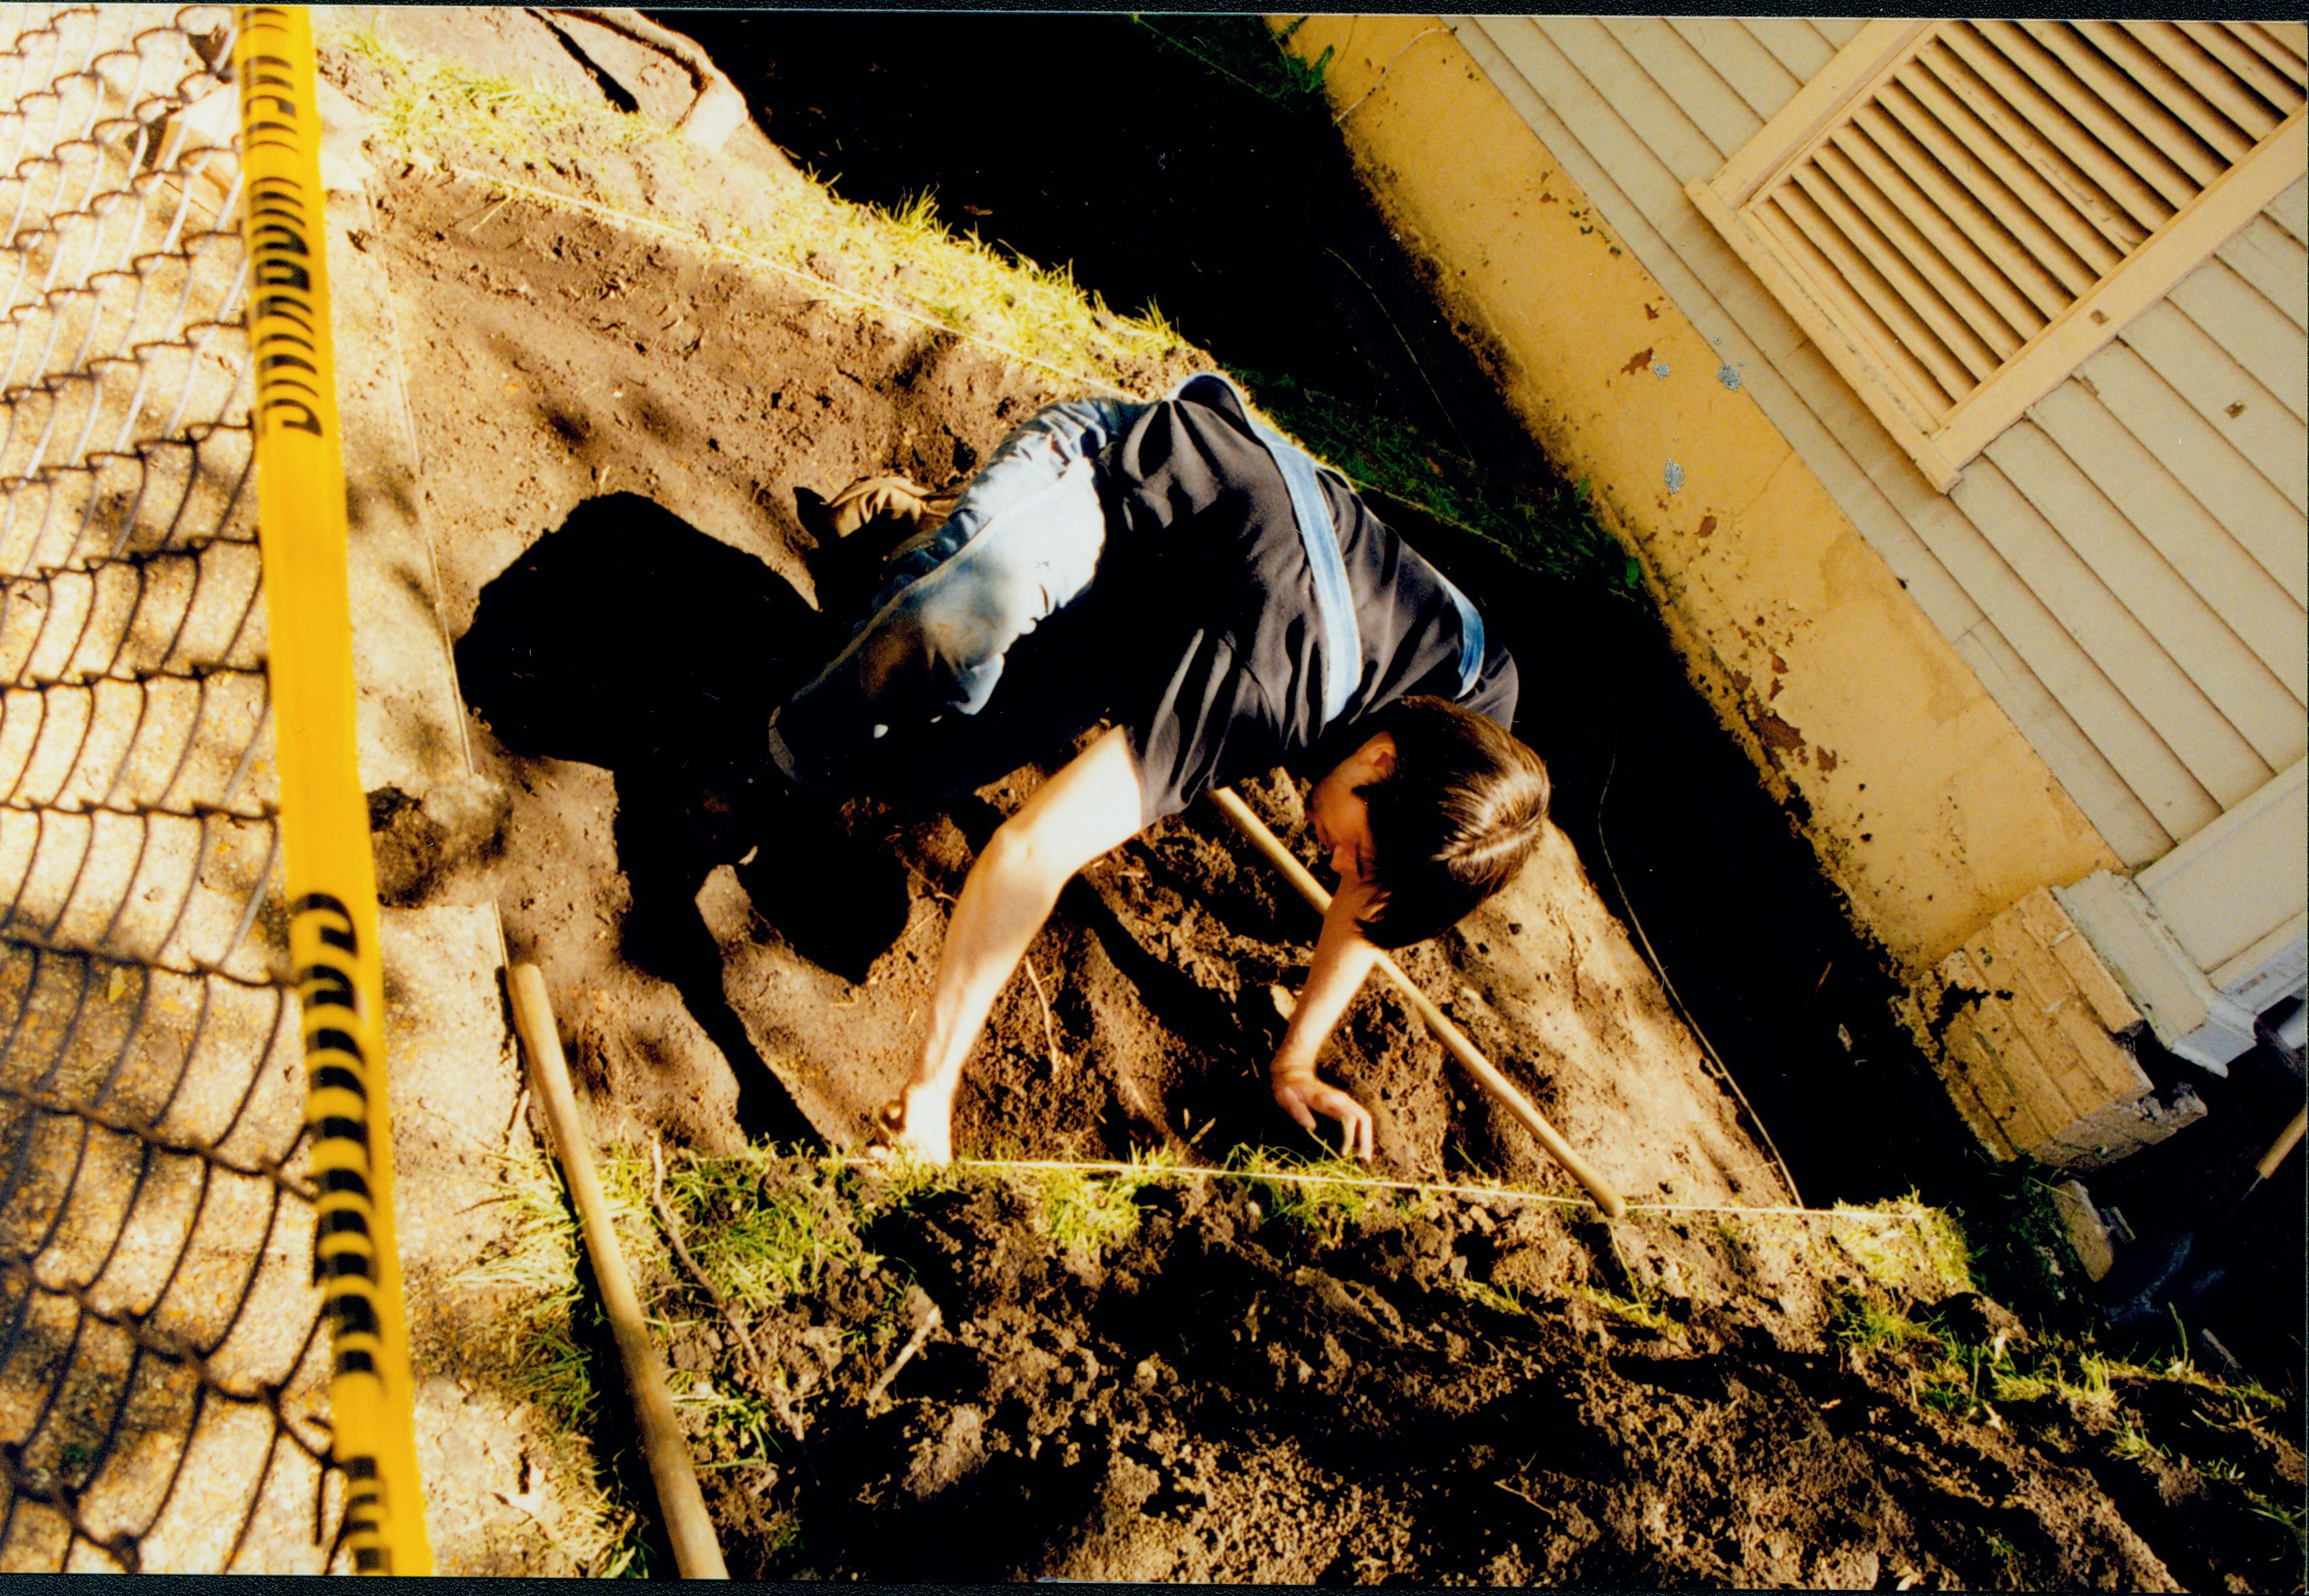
<point>1246,224</point>
<point>613,426</point>
<point>736,968</point>
<point>1240,1391</point>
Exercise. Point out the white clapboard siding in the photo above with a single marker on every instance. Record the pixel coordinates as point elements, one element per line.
<point>2276,264</point>
<point>1795,43</point>
<point>2290,210</point>
<point>2190,449</point>
<point>2247,694</point>
<point>2133,759</point>
<point>2217,757</point>
<point>2133,832</point>
<point>2261,426</point>
<point>2251,329</point>
<point>2127,577</point>
<point>1763,80</point>
<point>2221,575</point>
<point>1664,56</point>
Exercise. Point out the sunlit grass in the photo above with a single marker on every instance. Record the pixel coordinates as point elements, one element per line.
<point>541,1362</point>
<point>1311,1193</point>
<point>1642,1314</point>
<point>1499,1299</point>
<point>765,1230</point>
<point>1926,1245</point>
<point>898,1183</point>
<point>431,105</point>
<point>448,114</point>
<point>1869,1325</point>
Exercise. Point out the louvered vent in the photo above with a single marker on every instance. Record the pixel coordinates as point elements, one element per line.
<point>1959,213</point>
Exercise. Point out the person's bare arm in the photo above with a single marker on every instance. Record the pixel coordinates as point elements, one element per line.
<point>1342,960</point>
<point>1091,805</point>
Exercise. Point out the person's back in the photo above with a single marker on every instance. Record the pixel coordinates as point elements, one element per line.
<point>1183,571</point>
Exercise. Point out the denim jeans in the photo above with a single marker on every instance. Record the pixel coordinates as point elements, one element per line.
<point>1023,543</point>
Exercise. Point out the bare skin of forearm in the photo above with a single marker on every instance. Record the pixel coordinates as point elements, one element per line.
<point>1342,961</point>
<point>1001,910</point>
<point>1090,806</point>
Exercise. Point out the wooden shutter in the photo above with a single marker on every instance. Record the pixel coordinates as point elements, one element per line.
<point>1959,213</point>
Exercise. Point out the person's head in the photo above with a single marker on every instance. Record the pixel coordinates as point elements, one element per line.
<point>1434,812</point>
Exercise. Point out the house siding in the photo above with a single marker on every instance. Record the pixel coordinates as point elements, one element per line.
<point>2124,568</point>
<point>1851,668</point>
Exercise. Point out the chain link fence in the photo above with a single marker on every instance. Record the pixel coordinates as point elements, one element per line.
<point>163,1359</point>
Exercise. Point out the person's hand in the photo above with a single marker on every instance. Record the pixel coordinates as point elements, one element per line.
<point>918,1122</point>
<point>1303,1097</point>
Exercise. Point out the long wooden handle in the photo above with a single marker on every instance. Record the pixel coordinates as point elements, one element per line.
<point>696,1553</point>
<point>2287,1140</point>
<point>1455,1040</point>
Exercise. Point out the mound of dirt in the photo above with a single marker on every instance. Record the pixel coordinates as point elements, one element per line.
<point>1253,1383</point>
<point>734,971</point>
<point>1215,1379</point>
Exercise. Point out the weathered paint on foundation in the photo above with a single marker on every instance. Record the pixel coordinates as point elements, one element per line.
<point>1923,801</point>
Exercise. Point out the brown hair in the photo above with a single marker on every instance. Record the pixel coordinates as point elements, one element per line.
<point>1456,817</point>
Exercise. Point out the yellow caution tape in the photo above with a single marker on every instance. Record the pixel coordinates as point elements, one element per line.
<point>332,926</point>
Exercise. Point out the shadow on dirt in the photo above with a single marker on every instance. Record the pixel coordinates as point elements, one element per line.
<point>628,638</point>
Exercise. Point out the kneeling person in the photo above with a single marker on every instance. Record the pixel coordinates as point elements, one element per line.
<point>1179,569</point>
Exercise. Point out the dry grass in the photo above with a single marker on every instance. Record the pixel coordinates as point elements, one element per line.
<point>444,115</point>
<point>541,1359</point>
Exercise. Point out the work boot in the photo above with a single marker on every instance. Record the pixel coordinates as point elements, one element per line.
<point>856,532</point>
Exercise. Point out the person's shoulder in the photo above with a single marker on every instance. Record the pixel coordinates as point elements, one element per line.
<point>1211,391</point>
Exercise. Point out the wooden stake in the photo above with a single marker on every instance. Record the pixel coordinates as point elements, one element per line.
<point>696,1553</point>
<point>1455,1040</point>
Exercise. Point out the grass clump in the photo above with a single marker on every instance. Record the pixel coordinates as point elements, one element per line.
<point>1642,1314</point>
<point>433,105</point>
<point>736,1427</point>
<point>1903,1242</point>
<point>2021,1251</point>
<point>896,1184</point>
<point>765,1230</point>
<point>1945,1372</point>
<point>908,257</point>
<point>1311,1194</point>
<point>1086,1213</point>
<point>2291,1516</point>
<point>1869,1326</point>
<point>1242,50</point>
<point>1499,1299</point>
<point>1093,1212</point>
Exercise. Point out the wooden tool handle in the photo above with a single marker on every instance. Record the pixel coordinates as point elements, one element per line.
<point>1455,1040</point>
<point>2287,1140</point>
<point>696,1553</point>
